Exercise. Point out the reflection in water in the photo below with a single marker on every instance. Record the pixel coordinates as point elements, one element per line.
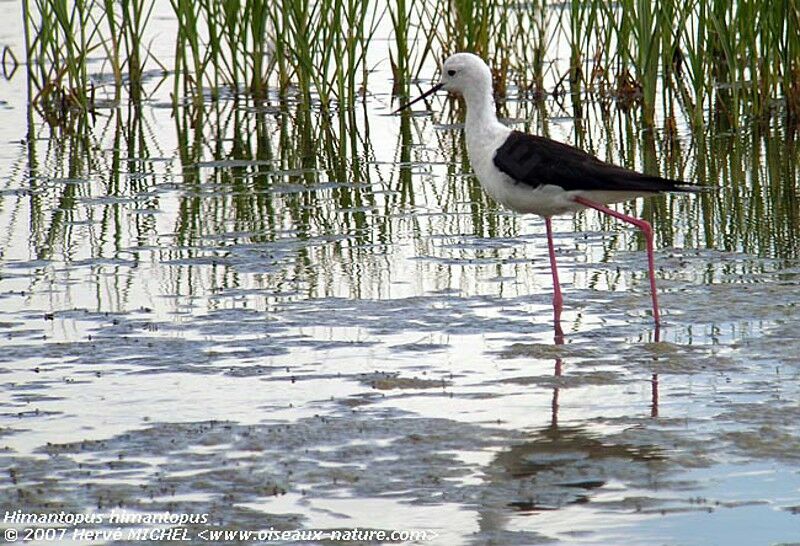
<point>558,339</point>
<point>654,378</point>
<point>275,175</point>
<point>561,463</point>
<point>558,465</point>
<point>326,209</point>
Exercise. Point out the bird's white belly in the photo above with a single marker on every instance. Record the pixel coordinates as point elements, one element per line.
<point>542,200</point>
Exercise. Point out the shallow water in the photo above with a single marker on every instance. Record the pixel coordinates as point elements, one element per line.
<point>226,318</point>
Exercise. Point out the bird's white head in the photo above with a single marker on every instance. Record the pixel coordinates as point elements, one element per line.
<point>465,73</point>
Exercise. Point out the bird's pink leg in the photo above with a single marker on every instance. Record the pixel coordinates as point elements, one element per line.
<point>648,237</point>
<point>557,299</point>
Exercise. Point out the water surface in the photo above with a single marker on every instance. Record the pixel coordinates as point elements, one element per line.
<point>246,315</point>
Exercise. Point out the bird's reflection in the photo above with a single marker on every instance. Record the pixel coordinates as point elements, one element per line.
<point>559,465</point>
<point>654,378</point>
<point>558,339</point>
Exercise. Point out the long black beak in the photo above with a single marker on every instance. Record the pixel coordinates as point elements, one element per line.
<point>427,93</point>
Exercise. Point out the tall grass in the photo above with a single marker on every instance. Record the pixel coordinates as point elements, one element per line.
<point>735,58</point>
<point>125,50</point>
<point>235,46</point>
<point>739,60</point>
<point>60,36</point>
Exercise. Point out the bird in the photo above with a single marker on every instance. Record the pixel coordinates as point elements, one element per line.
<point>533,174</point>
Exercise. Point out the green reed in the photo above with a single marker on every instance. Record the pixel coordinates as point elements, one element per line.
<point>254,21</point>
<point>59,38</point>
<point>739,60</point>
<point>400,58</point>
<point>190,65</point>
<point>240,45</point>
<point>245,45</point>
<point>63,37</point>
<point>735,58</point>
<point>129,24</point>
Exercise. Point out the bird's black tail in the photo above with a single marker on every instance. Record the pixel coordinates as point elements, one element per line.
<point>661,184</point>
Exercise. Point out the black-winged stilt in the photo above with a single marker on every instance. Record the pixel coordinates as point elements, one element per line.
<point>533,174</point>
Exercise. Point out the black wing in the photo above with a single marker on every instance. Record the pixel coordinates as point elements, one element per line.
<point>535,160</point>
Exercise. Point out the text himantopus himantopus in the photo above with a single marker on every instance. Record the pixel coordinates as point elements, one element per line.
<point>533,174</point>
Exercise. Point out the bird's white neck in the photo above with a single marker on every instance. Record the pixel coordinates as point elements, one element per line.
<point>482,128</point>
<point>480,110</point>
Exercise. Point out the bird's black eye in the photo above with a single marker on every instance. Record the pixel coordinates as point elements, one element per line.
<point>451,72</point>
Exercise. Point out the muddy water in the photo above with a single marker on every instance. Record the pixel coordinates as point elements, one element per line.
<point>219,316</point>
